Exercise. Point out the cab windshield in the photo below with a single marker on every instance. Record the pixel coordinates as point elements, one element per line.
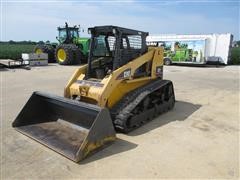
<point>74,33</point>
<point>103,50</point>
<point>62,34</point>
<point>103,46</point>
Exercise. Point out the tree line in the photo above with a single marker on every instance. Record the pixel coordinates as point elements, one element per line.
<point>21,42</point>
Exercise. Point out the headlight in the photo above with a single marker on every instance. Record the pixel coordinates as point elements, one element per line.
<point>159,71</point>
<point>125,74</point>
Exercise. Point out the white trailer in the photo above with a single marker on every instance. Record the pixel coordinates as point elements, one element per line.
<point>35,59</point>
<point>215,48</point>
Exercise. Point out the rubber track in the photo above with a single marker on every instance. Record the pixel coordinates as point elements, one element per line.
<point>122,110</point>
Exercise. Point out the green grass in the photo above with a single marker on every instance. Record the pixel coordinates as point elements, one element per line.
<point>14,51</point>
<point>235,55</point>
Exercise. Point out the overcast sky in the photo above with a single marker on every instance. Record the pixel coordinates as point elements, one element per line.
<point>38,20</point>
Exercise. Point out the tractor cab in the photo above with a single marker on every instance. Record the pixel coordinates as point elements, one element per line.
<point>112,47</point>
<point>67,34</point>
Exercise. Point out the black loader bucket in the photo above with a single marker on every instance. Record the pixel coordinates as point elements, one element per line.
<point>71,128</point>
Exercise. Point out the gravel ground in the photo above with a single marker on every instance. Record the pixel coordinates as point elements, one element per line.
<point>199,138</point>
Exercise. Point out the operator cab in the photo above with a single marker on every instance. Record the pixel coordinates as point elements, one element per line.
<point>112,47</point>
<point>67,34</point>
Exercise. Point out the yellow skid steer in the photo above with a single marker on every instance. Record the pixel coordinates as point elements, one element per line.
<point>120,89</point>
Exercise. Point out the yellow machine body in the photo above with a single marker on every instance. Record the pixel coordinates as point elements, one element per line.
<point>108,91</point>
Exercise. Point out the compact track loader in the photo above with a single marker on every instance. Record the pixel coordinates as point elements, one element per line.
<point>120,89</point>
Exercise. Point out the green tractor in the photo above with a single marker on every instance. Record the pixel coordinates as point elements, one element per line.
<point>70,50</point>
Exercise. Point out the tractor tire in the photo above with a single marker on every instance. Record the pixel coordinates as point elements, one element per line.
<point>78,55</point>
<point>84,58</point>
<point>67,54</point>
<point>167,61</point>
<point>45,48</point>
